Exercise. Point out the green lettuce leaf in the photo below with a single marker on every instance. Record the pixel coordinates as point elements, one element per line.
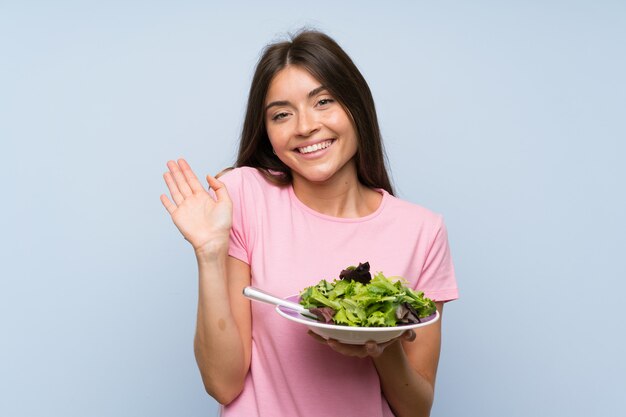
<point>380,302</point>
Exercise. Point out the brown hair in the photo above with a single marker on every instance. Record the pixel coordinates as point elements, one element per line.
<point>324,59</point>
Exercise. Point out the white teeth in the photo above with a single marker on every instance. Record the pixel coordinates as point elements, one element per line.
<point>316,147</point>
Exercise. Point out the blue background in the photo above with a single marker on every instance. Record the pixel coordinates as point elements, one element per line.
<point>507,117</point>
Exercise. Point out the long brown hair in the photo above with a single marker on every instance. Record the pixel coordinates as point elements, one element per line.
<point>324,59</point>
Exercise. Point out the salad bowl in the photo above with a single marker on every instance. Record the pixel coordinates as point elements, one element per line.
<point>350,334</point>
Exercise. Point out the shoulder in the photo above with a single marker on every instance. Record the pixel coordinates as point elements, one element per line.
<point>414,213</point>
<point>234,175</point>
<point>240,176</point>
<point>249,182</point>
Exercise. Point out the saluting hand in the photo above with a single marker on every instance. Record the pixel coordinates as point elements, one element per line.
<point>205,222</point>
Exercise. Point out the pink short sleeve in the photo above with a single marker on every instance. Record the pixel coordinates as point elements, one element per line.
<point>437,278</point>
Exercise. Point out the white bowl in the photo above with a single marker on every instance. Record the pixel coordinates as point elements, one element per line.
<point>349,334</point>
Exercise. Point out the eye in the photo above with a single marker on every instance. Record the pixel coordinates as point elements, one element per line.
<point>325,101</point>
<point>280,116</point>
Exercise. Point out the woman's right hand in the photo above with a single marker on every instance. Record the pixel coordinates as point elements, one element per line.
<point>203,221</point>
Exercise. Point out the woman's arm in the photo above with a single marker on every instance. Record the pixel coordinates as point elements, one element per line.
<point>223,340</point>
<point>223,337</point>
<point>407,371</point>
<point>406,367</point>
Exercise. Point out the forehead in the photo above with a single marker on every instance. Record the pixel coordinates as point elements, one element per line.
<point>290,83</point>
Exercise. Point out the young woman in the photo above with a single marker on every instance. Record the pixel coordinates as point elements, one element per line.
<point>310,195</point>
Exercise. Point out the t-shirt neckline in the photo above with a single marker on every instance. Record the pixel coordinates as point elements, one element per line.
<point>294,198</point>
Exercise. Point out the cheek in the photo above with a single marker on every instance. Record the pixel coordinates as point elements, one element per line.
<point>270,132</point>
<point>274,135</point>
<point>341,123</point>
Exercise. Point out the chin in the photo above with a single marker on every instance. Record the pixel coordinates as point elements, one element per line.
<point>324,174</point>
<point>316,177</point>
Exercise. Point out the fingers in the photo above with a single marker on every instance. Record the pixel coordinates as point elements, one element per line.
<point>373,349</point>
<point>370,348</point>
<point>180,180</point>
<point>189,175</point>
<point>317,337</point>
<point>359,351</point>
<point>173,187</point>
<point>169,206</point>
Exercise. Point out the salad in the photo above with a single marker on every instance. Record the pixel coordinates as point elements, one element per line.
<point>358,299</point>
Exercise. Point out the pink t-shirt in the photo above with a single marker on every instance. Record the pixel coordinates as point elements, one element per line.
<point>289,247</point>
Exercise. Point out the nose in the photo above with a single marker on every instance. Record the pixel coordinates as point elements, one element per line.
<point>307,123</point>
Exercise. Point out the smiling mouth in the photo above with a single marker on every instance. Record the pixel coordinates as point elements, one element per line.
<point>315,147</point>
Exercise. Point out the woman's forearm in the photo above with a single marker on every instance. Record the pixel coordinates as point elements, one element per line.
<point>407,392</point>
<point>218,344</point>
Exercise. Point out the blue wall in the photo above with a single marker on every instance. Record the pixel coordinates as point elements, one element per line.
<point>507,117</point>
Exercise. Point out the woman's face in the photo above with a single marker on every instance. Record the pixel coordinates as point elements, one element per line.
<point>309,130</point>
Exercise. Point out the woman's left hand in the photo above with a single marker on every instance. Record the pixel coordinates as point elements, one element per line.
<point>370,348</point>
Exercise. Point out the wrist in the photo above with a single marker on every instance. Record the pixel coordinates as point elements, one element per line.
<point>393,354</point>
<point>212,250</point>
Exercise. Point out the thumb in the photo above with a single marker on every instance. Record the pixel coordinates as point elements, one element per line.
<point>409,336</point>
<point>218,186</point>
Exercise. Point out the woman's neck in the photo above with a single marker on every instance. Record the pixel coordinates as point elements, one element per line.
<point>340,196</point>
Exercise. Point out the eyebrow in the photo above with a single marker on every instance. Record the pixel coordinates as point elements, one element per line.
<point>312,93</point>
